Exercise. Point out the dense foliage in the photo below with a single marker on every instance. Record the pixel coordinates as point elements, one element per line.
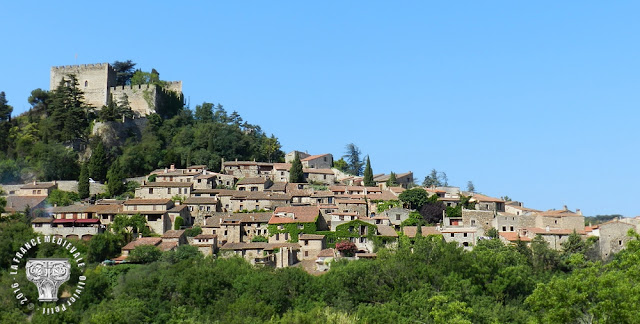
<point>54,138</point>
<point>421,280</point>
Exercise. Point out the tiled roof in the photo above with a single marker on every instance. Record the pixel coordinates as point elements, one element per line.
<point>40,220</point>
<point>201,200</point>
<point>173,234</point>
<point>39,185</point>
<point>514,236</point>
<point>559,213</point>
<point>167,246</point>
<point>351,201</point>
<point>139,201</point>
<point>282,166</point>
<point>556,231</point>
<point>252,180</point>
<point>143,241</point>
<point>104,209</point>
<point>386,230</point>
<point>172,184</point>
<point>20,203</point>
<point>326,253</point>
<point>483,198</point>
<point>317,171</point>
<point>205,236</point>
<point>301,214</point>
<point>70,209</point>
<point>177,208</point>
<point>411,231</point>
<point>244,246</point>
<point>313,157</point>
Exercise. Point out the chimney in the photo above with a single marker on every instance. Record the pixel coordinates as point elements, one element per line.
<point>578,211</point>
<point>547,229</point>
<point>166,170</point>
<point>34,182</point>
<point>173,167</point>
<point>565,207</point>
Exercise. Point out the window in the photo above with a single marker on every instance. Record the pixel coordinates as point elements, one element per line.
<point>39,191</point>
<point>86,83</point>
<point>504,228</point>
<point>464,234</point>
<point>168,190</point>
<point>555,222</point>
<point>452,235</point>
<point>306,242</point>
<point>397,216</point>
<point>620,242</point>
<point>465,244</point>
<point>511,228</point>
<point>277,236</point>
<point>257,207</point>
<point>473,222</point>
<point>151,191</point>
<point>281,173</point>
<point>254,188</point>
<point>306,253</point>
<point>34,192</point>
<point>154,207</point>
<point>286,236</point>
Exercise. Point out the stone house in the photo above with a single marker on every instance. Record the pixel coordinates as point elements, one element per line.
<point>562,219</point>
<point>411,231</point>
<point>254,184</point>
<point>207,244</point>
<point>289,157</point>
<point>339,218</point>
<point>298,215</point>
<point>321,161</point>
<point>205,181</point>
<point>155,212</point>
<point>352,205</point>
<point>512,238</point>
<point>164,190</point>
<point>256,200</point>
<point>154,241</point>
<point>323,197</point>
<point>322,176</point>
<point>77,229</point>
<point>177,236</point>
<point>202,205</point>
<point>467,237</point>
<point>242,227</point>
<point>37,189</point>
<point>397,215</point>
<point>403,179</point>
<point>613,237</point>
<point>487,203</point>
<point>266,254</point>
<point>247,169</point>
<point>311,245</point>
<point>21,204</point>
<point>281,172</point>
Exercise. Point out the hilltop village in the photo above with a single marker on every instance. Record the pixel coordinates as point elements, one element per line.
<point>249,209</point>
<point>261,211</point>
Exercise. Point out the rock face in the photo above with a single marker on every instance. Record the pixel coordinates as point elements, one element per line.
<point>115,133</point>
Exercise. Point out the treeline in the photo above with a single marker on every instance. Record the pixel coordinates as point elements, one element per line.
<point>423,280</point>
<point>53,139</point>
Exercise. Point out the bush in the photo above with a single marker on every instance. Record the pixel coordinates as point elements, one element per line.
<point>259,238</point>
<point>194,231</point>
<point>179,222</point>
<point>145,254</point>
<point>347,248</point>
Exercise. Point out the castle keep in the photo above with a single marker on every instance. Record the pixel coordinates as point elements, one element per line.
<point>98,82</point>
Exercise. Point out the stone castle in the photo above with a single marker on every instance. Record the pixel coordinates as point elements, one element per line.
<point>98,82</point>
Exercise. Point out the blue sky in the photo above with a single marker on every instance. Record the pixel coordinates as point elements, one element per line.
<point>538,101</point>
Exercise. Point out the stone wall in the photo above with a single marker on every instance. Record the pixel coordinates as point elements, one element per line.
<point>478,218</point>
<point>93,79</point>
<point>613,238</point>
<point>142,97</point>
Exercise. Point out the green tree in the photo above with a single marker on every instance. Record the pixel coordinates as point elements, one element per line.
<point>104,246</point>
<point>124,71</point>
<point>392,181</point>
<point>59,197</point>
<point>470,186</point>
<point>145,254</point>
<point>204,113</point>
<point>68,111</point>
<point>56,162</point>
<point>354,162</point>
<point>414,198</point>
<point>435,179</point>
<point>39,101</point>
<point>178,223</point>
<point>295,172</point>
<point>368,174</point>
<point>492,233</point>
<point>83,182</point>
<point>115,179</point>
<point>341,165</point>
<point>98,163</point>
<point>5,108</point>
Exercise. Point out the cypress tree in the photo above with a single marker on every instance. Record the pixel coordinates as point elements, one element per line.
<point>295,172</point>
<point>83,182</point>
<point>115,177</point>
<point>98,163</point>
<point>392,182</point>
<point>368,175</point>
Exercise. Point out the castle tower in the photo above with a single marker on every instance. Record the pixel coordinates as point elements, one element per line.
<point>93,79</point>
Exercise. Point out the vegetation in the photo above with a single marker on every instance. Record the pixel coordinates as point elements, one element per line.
<point>435,179</point>
<point>295,172</point>
<point>62,198</point>
<point>392,181</point>
<point>83,182</point>
<point>368,174</point>
<point>354,163</point>
<point>421,280</point>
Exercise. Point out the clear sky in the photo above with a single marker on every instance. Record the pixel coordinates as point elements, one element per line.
<point>537,101</point>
